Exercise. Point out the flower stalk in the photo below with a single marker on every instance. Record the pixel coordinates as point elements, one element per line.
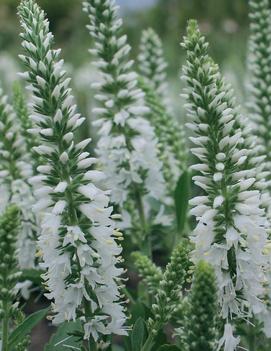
<point>127,148</point>
<point>231,231</point>
<point>9,274</point>
<point>78,242</point>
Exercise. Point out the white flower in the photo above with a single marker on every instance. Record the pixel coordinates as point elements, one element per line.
<point>229,342</point>
<point>24,289</point>
<point>152,64</point>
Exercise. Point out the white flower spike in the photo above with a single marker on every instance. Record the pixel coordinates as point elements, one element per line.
<point>80,254</point>
<point>127,147</point>
<point>231,231</point>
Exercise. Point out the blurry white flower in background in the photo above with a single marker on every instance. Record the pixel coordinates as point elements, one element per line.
<point>230,26</point>
<point>8,70</point>
<point>83,77</point>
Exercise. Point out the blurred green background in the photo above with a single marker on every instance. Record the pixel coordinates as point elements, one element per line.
<point>223,21</point>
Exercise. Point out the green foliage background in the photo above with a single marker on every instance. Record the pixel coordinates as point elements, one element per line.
<point>225,21</point>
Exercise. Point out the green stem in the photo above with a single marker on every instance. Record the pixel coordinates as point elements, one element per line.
<point>152,334</point>
<point>149,343</point>
<point>92,345</point>
<point>252,338</point>
<point>5,323</point>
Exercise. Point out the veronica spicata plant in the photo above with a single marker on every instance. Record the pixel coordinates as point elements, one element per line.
<point>172,144</point>
<point>77,241</point>
<point>15,170</point>
<point>127,148</point>
<point>167,298</point>
<point>23,115</point>
<point>151,274</point>
<point>231,231</point>
<point>153,81</point>
<point>9,274</point>
<point>259,59</point>
<point>152,64</point>
<point>199,326</point>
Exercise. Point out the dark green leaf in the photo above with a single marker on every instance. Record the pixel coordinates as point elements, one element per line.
<point>34,275</point>
<point>26,326</point>
<point>139,310</point>
<point>139,335</point>
<point>160,339</point>
<point>64,339</point>
<point>181,197</point>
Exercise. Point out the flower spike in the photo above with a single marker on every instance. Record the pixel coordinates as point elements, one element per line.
<point>127,147</point>
<point>231,231</point>
<point>15,170</point>
<point>151,63</point>
<point>80,254</point>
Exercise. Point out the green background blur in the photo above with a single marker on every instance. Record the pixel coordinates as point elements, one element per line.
<point>225,21</point>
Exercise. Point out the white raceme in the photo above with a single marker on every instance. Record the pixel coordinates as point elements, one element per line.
<point>151,63</point>
<point>15,170</point>
<point>127,146</point>
<point>232,227</point>
<point>78,239</point>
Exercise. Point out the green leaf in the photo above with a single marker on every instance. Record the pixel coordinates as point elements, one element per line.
<point>34,275</point>
<point>181,197</point>
<point>139,310</point>
<point>26,326</point>
<point>139,335</point>
<point>169,348</point>
<point>64,339</point>
<point>160,339</point>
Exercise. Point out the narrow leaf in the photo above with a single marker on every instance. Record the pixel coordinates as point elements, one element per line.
<point>181,197</point>
<point>26,326</point>
<point>139,335</point>
<point>64,339</point>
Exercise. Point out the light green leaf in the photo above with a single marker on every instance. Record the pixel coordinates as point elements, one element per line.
<point>63,339</point>
<point>26,326</point>
<point>139,335</point>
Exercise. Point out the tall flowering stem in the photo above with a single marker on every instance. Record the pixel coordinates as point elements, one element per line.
<point>152,64</point>
<point>153,81</point>
<point>77,242</point>
<point>127,147</point>
<point>23,115</point>
<point>172,145</point>
<point>148,271</point>
<point>168,295</point>
<point>259,106</point>
<point>200,321</point>
<point>231,229</point>
<point>259,67</point>
<point>15,169</point>
<point>9,273</point>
